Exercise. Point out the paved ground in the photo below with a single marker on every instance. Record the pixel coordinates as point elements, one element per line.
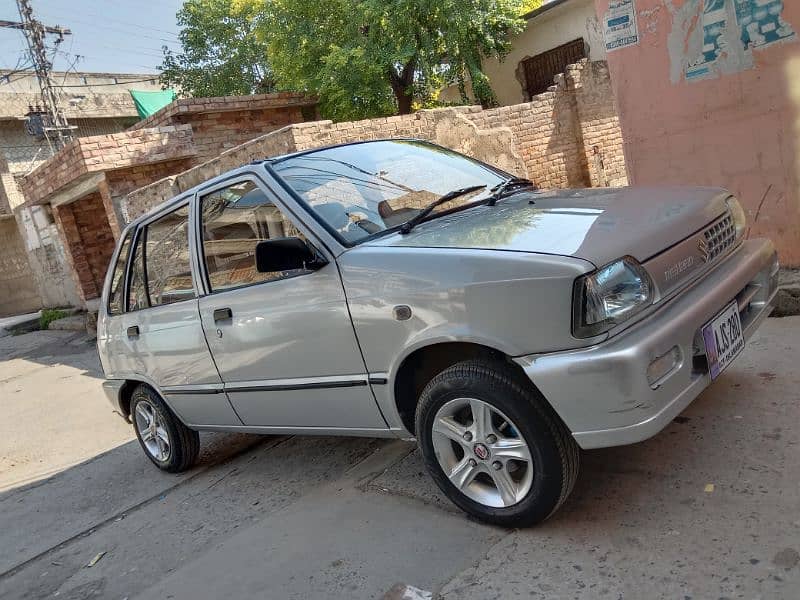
<point>348,518</point>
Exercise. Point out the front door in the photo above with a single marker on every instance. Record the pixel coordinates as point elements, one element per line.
<point>283,342</point>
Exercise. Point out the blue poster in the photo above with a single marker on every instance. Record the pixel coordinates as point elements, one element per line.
<point>761,23</point>
<point>714,22</point>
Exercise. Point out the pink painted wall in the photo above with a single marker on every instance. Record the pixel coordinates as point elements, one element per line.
<point>740,129</point>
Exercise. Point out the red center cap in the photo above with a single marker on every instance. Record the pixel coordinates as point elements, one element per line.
<point>481,451</point>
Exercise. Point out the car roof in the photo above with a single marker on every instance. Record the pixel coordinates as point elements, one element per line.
<point>278,159</point>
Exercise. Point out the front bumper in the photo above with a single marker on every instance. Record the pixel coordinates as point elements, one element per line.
<point>602,392</point>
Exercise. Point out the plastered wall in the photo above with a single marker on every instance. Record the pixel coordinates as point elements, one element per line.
<point>711,96</point>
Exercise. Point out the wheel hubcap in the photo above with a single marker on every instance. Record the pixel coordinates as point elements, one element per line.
<point>152,430</point>
<point>482,453</point>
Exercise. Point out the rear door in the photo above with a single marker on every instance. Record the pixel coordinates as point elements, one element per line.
<point>283,342</point>
<point>159,337</point>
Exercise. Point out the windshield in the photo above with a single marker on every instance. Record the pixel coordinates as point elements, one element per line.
<point>364,189</point>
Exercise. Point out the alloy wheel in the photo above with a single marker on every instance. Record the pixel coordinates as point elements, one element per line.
<point>482,452</point>
<point>152,430</point>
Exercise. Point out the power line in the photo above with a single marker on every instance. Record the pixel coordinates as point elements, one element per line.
<point>125,31</point>
<point>105,17</point>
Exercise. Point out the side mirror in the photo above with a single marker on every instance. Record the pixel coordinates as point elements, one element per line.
<point>286,254</point>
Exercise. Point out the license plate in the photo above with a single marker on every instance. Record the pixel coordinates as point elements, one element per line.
<point>723,339</point>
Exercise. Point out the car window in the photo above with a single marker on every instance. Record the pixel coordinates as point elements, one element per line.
<point>137,291</point>
<point>234,220</point>
<point>363,189</point>
<point>115,294</point>
<point>166,258</point>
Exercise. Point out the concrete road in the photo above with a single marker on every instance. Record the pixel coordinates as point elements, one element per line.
<point>709,508</point>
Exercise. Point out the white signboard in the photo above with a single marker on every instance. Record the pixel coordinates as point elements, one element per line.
<point>619,25</point>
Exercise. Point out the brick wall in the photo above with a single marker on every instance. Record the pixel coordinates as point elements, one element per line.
<point>100,153</point>
<point>566,137</point>
<point>86,233</point>
<point>599,123</point>
<point>145,198</point>
<point>120,182</point>
<point>216,132</point>
<point>189,106</point>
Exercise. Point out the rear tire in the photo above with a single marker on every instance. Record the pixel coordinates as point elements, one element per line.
<point>167,442</point>
<point>514,464</point>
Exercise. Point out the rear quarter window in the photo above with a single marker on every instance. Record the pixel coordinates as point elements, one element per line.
<point>166,257</point>
<point>115,295</point>
<point>160,268</point>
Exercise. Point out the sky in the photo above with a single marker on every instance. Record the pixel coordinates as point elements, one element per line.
<point>112,36</point>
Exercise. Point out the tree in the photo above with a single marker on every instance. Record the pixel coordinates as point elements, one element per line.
<point>377,57</point>
<point>529,5</point>
<point>220,53</point>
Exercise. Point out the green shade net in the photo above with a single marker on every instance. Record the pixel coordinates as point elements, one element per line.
<point>148,103</point>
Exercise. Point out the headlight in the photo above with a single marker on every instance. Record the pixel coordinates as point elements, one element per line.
<point>739,218</point>
<point>609,296</point>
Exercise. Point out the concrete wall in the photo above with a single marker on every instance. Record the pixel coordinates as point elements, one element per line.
<point>85,95</point>
<point>24,152</point>
<point>732,122</point>
<point>569,21</point>
<point>49,267</point>
<point>18,293</point>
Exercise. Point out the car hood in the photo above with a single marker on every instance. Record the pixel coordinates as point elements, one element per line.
<point>598,225</point>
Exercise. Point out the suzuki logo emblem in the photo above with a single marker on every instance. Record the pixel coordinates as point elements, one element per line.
<point>702,248</point>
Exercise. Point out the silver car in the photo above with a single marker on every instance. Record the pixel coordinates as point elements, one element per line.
<point>398,289</point>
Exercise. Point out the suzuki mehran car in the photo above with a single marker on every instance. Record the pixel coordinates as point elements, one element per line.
<point>398,289</point>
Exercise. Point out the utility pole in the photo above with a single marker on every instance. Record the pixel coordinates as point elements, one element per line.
<point>55,126</point>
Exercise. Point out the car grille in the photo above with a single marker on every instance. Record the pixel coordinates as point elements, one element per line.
<point>719,237</point>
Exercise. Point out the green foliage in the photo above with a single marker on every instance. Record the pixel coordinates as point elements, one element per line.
<point>367,58</point>
<point>221,55</point>
<point>49,315</point>
<point>529,5</point>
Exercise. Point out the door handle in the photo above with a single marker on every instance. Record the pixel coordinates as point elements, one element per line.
<point>133,331</point>
<point>222,314</point>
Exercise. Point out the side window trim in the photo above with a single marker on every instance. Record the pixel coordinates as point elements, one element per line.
<point>129,235</point>
<point>141,235</point>
<point>145,280</point>
<point>128,267</point>
<point>272,197</point>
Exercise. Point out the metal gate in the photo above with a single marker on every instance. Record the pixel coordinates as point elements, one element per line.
<point>540,70</point>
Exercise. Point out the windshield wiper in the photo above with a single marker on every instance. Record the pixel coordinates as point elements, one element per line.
<point>501,189</point>
<point>452,195</point>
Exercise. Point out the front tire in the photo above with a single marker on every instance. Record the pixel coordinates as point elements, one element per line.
<point>494,446</point>
<point>167,442</point>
